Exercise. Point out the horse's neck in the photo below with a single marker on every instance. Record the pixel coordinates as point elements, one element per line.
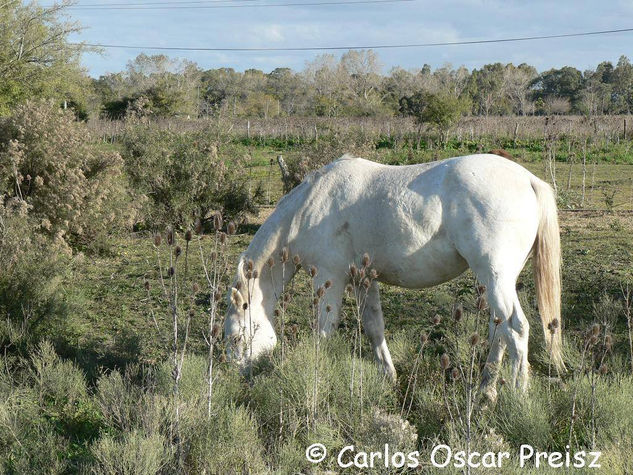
<point>269,242</point>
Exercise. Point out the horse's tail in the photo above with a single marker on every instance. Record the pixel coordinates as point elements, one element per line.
<point>547,262</point>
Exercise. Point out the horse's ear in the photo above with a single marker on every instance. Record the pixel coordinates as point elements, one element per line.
<point>236,298</point>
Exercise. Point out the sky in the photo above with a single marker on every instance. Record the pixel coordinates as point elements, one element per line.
<point>417,21</point>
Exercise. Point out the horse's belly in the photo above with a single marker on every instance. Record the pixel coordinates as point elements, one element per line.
<point>434,263</point>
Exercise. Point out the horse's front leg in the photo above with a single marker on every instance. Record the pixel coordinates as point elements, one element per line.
<point>374,325</point>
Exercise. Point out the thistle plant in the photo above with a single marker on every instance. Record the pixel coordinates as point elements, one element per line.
<point>628,304</point>
<point>360,280</point>
<point>413,377</point>
<point>214,267</point>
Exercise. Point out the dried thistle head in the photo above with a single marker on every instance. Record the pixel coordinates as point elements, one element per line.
<point>222,358</point>
<point>250,264</point>
<point>178,251</point>
<point>171,271</point>
<point>217,330</point>
<point>366,283</point>
<point>482,303</point>
<point>270,262</point>
<point>217,296</point>
<point>315,301</point>
<point>283,254</point>
<point>198,226</point>
<point>481,289</point>
<point>170,237</point>
<point>474,339</point>
<point>458,312</point>
<point>245,306</point>
<point>595,329</point>
<point>146,284</point>
<point>222,236</point>
<point>328,308</point>
<point>255,274</point>
<point>497,321</point>
<point>157,240</point>
<point>608,342</point>
<point>320,292</point>
<point>603,369</point>
<point>188,235</point>
<point>287,297</point>
<point>555,323</point>
<point>327,284</point>
<point>313,271</point>
<point>296,260</point>
<point>373,274</point>
<point>353,270</point>
<point>217,221</point>
<point>424,338</point>
<point>231,228</point>
<point>276,313</point>
<point>445,361</point>
<point>436,319</point>
<point>366,261</point>
<point>455,374</point>
<point>349,288</point>
<point>238,285</point>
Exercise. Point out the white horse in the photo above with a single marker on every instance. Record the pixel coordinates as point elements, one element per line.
<point>422,225</point>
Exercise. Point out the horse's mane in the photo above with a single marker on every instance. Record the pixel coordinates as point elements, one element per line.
<point>502,153</point>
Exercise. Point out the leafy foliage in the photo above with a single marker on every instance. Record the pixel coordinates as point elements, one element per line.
<point>181,177</point>
<point>74,190</point>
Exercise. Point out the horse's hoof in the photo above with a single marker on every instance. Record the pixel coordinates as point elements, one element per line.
<point>488,396</point>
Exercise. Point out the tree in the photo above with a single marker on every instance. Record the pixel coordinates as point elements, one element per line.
<point>36,58</point>
<point>623,86</point>
<point>515,87</point>
<point>441,110</point>
<point>363,70</point>
<point>328,82</point>
<point>565,83</point>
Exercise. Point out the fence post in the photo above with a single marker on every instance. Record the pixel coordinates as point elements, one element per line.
<point>248,129</point>
<point>285,174</point>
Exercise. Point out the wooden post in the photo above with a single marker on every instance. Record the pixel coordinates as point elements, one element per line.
<point>285,174</point>
<point>624,130</point>
<point>248,129</point>
<point>316,133</point>
<point>516,131</point>
<point>584,173</point>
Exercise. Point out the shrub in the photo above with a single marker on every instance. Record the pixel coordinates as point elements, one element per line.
<point>183,176</point>
<point>72,188</point>
<point>340,416</point>
<point>32,270</point>
<point>134,454</point>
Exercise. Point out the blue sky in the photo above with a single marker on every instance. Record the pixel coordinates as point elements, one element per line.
<point>333,25</point>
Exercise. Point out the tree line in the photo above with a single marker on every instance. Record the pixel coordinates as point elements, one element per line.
<point>37,60</point>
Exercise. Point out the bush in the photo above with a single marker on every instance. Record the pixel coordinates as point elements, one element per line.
<point>32,270</point>
<point>133,454</point>
<point>183,176</point>
<point>73,189</point>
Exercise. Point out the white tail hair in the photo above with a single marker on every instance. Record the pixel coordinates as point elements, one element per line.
<point>547,262</point>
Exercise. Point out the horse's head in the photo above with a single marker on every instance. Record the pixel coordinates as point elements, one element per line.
<point>248,329</point>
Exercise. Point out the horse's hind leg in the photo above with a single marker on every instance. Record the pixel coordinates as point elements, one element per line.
<point>374,325</point>
<point>512,330</point>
